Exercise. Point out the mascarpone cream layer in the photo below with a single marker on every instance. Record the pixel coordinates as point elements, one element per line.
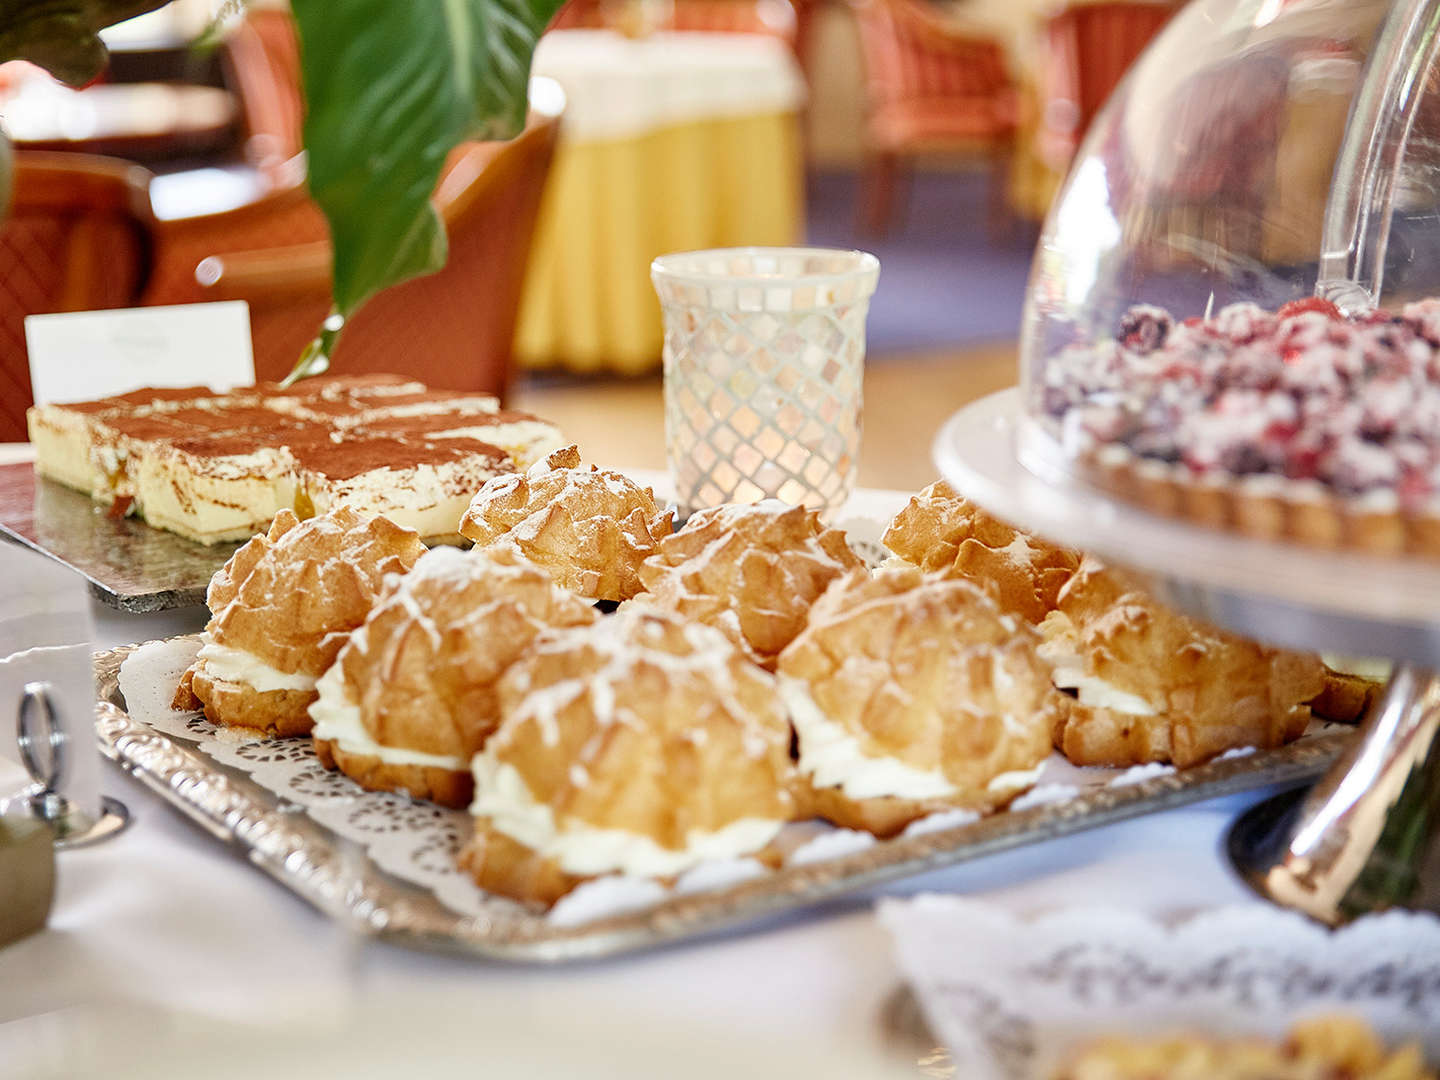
<point>239,666</point>
<point>502,796</point>
<point>337,719</point>
<point>62,446</point>
<point>832,757</point>
<point>214,498</point>
<point>427,498</point>
<point>527,441</point>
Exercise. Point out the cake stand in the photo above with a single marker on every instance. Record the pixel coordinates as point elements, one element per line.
<point>1363,836</point>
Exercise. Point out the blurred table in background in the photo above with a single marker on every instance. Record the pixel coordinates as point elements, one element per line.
<point>673,142</point>
<point>1022,26</point>
<point>136,121</point>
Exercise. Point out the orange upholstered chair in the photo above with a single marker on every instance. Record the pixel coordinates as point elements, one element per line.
<point>262,63</point>
<point>774,17</point>
<point>930,86</point>
<point>1088,47</point>
<point>77,238</point>
<point>452,329</point>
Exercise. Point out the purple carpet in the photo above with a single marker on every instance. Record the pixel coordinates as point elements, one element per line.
<point>944,279</point>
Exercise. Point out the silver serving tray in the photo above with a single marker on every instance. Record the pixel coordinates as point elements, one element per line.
<point>333,875</point>
<point>129,564</point>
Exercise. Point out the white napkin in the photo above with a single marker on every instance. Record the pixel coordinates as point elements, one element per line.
<point>1010,995</point>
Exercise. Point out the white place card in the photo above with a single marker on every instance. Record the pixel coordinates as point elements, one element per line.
<point>82,355</point>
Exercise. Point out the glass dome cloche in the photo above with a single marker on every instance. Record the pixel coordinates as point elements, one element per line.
<point>1234,312</point>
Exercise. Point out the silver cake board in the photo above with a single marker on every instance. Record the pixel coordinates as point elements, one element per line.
<point>129,565</point>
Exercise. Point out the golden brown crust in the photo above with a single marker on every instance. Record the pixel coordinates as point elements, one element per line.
<point>590,530</point>
<point>423,669</point>
<point>1329,1046</point>
<point>292,603</point>
<point>276,713</point>
<point>639,686</point>
<point>289,598</point>
<point>503,866</point>
<point>941,532</point>
<point>1302,513</point>
<point>1208,690</point>
<point>185,699</point>
<point>751,572</point>
<point>968,712</point>
<point>448,787</point>
<point>642,724</point>
<point>887,816</point>
<point>1346,698</point>
<point>1097,736</point>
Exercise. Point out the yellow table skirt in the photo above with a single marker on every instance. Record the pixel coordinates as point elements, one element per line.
<point>612,206</point>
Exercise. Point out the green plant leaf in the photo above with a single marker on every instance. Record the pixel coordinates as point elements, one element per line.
<point>391,86</point>
<point>62,36</point>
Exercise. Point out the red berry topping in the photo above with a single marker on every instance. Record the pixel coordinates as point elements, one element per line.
<point>1310,303</point>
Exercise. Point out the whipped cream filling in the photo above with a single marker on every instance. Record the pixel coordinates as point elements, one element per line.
<point>832,757</point>
<point>1015,780</point>
<point>337,719</point>
<point>239,666</point>
<point>502,796</point>
<point>1363,666</point>
<point>1099,694</point>
<point>1068,673</point>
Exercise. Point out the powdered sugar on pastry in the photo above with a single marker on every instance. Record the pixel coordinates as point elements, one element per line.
<point>891,724</point>
<point>590,530</point>
<point>640,745</point>
<point>941,532</point>
<point>1152,685</point>
<point>283,606</point>
<point>415,685</point>
<point>751,571</point>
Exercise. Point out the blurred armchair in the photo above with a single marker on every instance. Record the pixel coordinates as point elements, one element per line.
<point>452,329</point>
<point>775,17</point>
<point>931,87</point>
<point>261,59</point>
<point>77,237</point>
<point>1087,48</point>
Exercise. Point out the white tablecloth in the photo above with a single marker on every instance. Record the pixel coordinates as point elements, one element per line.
<point>165,932</point>
<point>616,87</point>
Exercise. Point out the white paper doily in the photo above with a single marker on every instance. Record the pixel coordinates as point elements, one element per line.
<point>418,841</point>
<point>1009,996</point>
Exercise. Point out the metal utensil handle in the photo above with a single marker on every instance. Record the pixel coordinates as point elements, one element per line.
<point>30,731</point>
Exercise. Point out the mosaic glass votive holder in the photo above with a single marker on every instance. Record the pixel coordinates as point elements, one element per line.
<point>764,358</point>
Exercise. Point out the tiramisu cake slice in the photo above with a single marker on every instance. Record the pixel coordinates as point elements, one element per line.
<point>62,434</point>
<point>215,467</point>
<point>525,438</point>
<point>422,484</point>
<point>122,448</point>
<point>357,407</point>
<point>214,488</point>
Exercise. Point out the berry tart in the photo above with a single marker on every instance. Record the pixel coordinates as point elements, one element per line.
<point>1300,424</point>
